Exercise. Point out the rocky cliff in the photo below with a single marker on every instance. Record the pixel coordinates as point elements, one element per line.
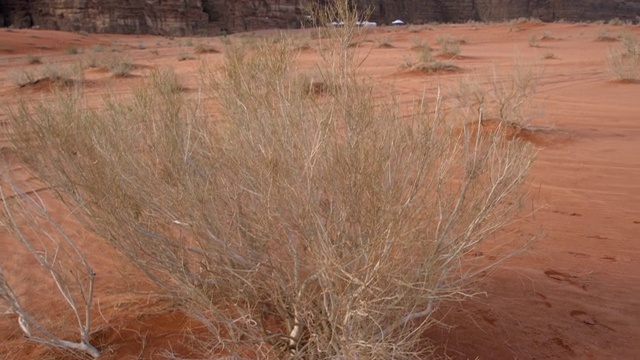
<point>170,17</point>
<point>179,17</point>
<point>495,10</point>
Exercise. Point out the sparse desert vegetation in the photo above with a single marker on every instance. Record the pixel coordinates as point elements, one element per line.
<point>273,202</point>
<point>426,62</point>
<point>449,45</point>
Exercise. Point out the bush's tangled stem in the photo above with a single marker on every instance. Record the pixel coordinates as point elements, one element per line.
<point>61,258</point>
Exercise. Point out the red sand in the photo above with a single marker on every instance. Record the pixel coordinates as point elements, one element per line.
<point>576,294</point>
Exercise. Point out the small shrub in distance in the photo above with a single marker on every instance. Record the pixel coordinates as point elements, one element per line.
<point>73,50</point>
<point>533,41</point>
<point>449,45</point>
<point>427,63</point>
<point>415,28</point>
<point>23,77</point>
<point>119,66</point>
<point>384,42</point>
<point>183,55</point>
<point>546,35</point>
<point>616,22</point>
<point>623,65</point>
<point>630,43</point>
<point>33,59</point>
<point>201,48</point>
<point>603,35</point>
<point>420,44</point>
<point>96,48</point>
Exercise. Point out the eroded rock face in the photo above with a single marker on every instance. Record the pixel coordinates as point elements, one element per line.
<point>415,11</point>
<point>180,17</point>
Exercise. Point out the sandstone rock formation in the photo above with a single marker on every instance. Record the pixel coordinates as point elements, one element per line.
<point>415,11</point>
<point>180,17</point>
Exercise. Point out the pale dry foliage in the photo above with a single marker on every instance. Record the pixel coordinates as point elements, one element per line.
<point>623,61</point>
<point>623,66</point>
<point>58,256</point>
<point>288,224</point>
<point>505,95</point>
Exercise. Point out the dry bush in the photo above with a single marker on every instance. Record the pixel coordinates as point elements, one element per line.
<point>428,63</point>
<point>61,75</point>
<point>73,50</point>
<point>534,41</point>
<point>183,55</point>
<point>24,77</point>
<point>623,64</point>
<point>505,96</point>
<point>546,35</point>
<point>449,45</point>
<point>33,59</point>
<point>288,224</point>
<point>201,48</point>
<point>120,66</point>
<point>384,42</point>
<point>603,35</point>
<point>420,44</point>
<point>630,43</point>
<point>56,255</point>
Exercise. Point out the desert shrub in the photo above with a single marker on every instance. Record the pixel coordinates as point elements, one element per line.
<point>630,43</point>
<point>23,77</point>
<point>384,42</point>
<point>327,227</point>
<point>502,95</point>
<point>96,48</point>
<point>120,66</point>
<point>603,35</point>
<point>615,22</point>
<point>449,45</point>
<point>91,60</point>
<point>201,48</point>
<point>183,55</point>
<point>420,44</point>
<point>33,59</point>
<point>427,63</point>
<point>623,64</point>
<point>415,28</point>
<point>546,35</point>
<point>59,258</point>
<point>302,44</point>
<point>534,41</point>
<point>73,50</point>
<point>63,75</point>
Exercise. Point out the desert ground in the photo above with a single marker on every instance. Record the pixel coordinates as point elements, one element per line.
<point>575,294</point>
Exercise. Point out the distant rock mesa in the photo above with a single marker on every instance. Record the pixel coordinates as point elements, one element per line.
<point>185,17</point>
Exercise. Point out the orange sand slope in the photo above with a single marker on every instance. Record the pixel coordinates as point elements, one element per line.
<point>576,294</point>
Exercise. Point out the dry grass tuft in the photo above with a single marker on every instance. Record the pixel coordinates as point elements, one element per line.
<point>624,66</point>
<point>427,63</point>
<point>205,49</point>
<point>449,45</point>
